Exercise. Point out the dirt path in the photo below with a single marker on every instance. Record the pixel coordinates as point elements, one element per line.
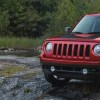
<point>21,78</point>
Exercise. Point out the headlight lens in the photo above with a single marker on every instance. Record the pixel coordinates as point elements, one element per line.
<point>97,50</point>
<point>49,47</point>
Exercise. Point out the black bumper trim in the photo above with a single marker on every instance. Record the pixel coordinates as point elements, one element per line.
<point>73,71</point>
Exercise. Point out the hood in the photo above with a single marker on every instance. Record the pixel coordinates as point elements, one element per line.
<point>82,36</point>
<point>78,37</point>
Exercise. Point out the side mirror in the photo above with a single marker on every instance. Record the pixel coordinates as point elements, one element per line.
<point>67,29</point>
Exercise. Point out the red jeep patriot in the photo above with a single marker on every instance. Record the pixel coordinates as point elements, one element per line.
<point>75,55</point>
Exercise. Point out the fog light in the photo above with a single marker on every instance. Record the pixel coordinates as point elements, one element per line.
<point>85,71</point>
<point>52,68</point>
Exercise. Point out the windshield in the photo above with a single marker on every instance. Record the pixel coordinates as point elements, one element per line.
<point>88,24</point>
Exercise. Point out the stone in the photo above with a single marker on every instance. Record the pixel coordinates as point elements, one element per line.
<point>2,80</point>
<point>10,84</point>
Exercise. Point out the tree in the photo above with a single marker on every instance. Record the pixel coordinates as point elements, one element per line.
<point>4,22</point>
<point>33,18</point>
<point>64,16</point>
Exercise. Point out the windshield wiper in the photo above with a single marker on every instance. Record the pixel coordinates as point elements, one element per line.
<point>86,33</point>
<point>93,33</point>
<point>77,32</point>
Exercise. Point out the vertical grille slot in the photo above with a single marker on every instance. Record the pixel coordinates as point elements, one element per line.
<point>55,48</point>
<point>70,50</point>
<point>81,50</point>
<point>87,52</point>
<point>59,49</point>
<point>64,49</point>
<point>75,50</point>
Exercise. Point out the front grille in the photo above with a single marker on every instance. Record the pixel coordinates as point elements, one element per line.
<point>71,50</point>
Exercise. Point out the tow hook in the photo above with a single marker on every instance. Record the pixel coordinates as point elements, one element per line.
<point>58,78</point>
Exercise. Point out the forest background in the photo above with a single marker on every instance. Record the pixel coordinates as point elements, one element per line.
<point>27,23</point>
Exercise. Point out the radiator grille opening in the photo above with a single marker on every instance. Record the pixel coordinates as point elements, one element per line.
<point>81,50</point>
<point>59,49</point>
<point>64,50</point>
<point>55,48</point>
<point>70,50</point>
<point>87,53</point>
<point>75,50</point>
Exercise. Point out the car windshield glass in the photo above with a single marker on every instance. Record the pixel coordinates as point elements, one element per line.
<point>88,24</point>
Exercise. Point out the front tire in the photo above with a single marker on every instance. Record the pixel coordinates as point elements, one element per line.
<point>55,82</point>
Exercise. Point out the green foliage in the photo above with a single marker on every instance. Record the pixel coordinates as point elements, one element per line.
<point>22,43</point>
<point>27,90</point>
<point>69,11</point>
<point>65,16</point>
<point>4,22</point>
<point>32,18</point>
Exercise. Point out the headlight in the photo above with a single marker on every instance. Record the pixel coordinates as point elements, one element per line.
<point>49,47</point>
<point>97,50</point>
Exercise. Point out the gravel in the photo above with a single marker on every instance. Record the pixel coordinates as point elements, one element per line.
<point>31,84</point>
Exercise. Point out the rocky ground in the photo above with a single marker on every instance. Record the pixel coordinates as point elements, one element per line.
<point>21,78</point>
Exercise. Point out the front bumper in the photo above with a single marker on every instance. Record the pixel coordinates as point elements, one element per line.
<point>65,61</point>
<point>73,71</point>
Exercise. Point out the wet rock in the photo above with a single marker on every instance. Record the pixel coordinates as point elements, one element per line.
<point>52,98</point>
<point>30,61</point>
<point>74,95</point>
<point>95,96</point>
<point>1,66</point>
<point>10,49</point>
<point>7,96</point>
<point>29,84</point>
<point>35,87</point>
<point>2,80</point>
<point>10,84</point>
<point>5,50</point>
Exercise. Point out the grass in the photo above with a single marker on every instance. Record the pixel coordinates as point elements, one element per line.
<point>10,70</point>
<point>27,90</point>
<point>23,43</point>
<point>28,76</point>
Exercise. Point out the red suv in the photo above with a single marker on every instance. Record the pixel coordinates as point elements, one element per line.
<point>75,55</point>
